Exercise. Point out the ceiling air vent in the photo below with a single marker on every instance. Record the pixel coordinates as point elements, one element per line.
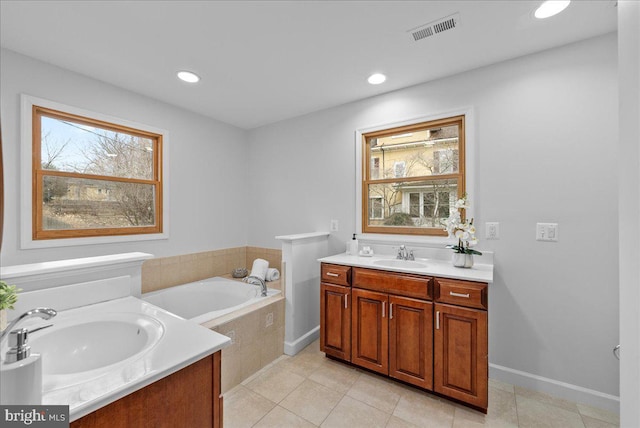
<point>435,27</point>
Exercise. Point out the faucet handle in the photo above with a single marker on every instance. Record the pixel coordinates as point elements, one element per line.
<point>411,256</point>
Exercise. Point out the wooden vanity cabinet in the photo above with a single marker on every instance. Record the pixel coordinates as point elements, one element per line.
<point>190,397</point>
<point>428,332</point>
<point>335,311</point>
<point>461,366</point>
<point>390,332</point>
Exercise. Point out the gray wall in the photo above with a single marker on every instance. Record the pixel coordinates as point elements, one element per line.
<point>207,174</point>
<point>546,132</point>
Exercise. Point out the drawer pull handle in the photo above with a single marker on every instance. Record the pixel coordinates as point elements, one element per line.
<point>437,320</point>
<point>383,306</point>
<point>346,297</point>
<point>390,311</point>
<point>332,274</point>
<point>451,293</point>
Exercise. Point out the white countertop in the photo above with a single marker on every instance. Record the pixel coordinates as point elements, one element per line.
<point>182,343</point>
<point>435,267</point>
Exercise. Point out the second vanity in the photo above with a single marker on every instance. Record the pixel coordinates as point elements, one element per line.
<point>422,323</point>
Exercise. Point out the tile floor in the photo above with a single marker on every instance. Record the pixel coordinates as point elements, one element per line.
<point>309,390</point>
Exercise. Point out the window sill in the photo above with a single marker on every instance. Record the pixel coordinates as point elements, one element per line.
<point>27,244</point>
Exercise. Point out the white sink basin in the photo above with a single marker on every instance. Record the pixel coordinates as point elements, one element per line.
<point>95,343</point>
<point>397,263</point>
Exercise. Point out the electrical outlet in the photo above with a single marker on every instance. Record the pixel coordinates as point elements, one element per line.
<point>492,230</point>
<point>547,232</point>
<point>334,225</point>
<point>231,334</point>
<point>269,320</point>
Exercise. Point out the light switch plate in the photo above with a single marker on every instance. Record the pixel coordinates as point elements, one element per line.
<point>547,232</point>
<point>334,225</point>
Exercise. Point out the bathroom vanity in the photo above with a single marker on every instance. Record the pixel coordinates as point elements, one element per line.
<point>427,330</point>
<point>190,397</point>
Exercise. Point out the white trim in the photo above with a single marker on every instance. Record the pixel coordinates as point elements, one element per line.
<point>470,156</point>
<point>292,348</point>
<point>556,388</point>
<point>26,241</point>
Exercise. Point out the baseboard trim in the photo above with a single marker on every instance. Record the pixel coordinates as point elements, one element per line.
<point>556,388</point>
<point>292,348</point>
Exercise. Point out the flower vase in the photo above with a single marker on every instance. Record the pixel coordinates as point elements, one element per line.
<point>468,261</point>
<point>459,259</point>
<point>462,260</point>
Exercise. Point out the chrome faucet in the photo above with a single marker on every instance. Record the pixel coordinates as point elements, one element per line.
<point>44,313</point>
<point>256,280</point>
<point>403,254</point>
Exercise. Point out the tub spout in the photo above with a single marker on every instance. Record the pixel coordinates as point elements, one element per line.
<point>256,280</point>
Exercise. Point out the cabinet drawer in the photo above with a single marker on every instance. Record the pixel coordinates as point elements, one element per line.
<point>336,274</point>
<point>461,293</point>
<point>393,283</point>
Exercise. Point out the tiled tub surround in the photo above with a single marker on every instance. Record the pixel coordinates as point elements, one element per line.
<point>257,339</point>
<point>164,272</point>
<point>256,331</point>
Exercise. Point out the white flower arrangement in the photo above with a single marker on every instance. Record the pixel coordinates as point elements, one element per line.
<point>464,231</point>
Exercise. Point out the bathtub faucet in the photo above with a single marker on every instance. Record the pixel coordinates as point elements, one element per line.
<point>256,280</point>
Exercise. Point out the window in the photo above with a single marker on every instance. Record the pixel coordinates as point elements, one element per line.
<point>376,208</point>
<point>412,175</point>
<point>93,178</point>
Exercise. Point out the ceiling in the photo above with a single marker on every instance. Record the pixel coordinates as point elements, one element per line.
<point>266,61</point>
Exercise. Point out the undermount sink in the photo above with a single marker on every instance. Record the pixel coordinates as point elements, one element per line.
<point>92,344</point>
<point>397,263</point>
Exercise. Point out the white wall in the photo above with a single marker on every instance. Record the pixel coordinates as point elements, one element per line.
<point>546,131</point>
<point>629,66</point>
<point>208,179</point>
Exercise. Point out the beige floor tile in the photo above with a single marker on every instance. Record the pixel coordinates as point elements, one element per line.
<point>311,401</point>
<point>304,363</point>
<point>501,385</point>
<point>545,398</point>
<point>597,423</point>
<point>424,410</point>
<point>281,418</point>
<point>375,391</point>
<point>502,412</point>
<point>275,383</point>
<point>395,422</point>
<point>334,375</point>
<point>351,413</point>
<point>601,414</point>
<point>243,407</point>
<point>535,413</point>
<point>313,348</point>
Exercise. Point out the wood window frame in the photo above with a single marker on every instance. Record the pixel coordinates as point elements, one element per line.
<point>460,175</point>
<point>38,233</point>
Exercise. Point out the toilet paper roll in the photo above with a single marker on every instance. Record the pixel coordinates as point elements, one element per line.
<point>259,268</point>
<point>273,274</point>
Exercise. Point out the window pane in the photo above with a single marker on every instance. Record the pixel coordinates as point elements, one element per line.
<point>78,203</point>
<point>424,204</point>
<point>74,147</point>
<point>431,151</point>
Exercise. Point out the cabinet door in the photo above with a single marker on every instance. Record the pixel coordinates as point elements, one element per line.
<point>369,334</point>
<point>460,354</point>
<point>335,321</point>
<point>410,341</point>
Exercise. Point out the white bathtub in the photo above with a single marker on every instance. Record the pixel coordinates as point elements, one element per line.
<point>208,299</point>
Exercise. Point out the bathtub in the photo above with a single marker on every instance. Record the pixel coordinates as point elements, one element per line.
<point>205,300</point>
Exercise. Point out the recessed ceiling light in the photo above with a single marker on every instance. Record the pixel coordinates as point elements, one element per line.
<point>188,76</point>
<point>376,79</point>
<point>550,8</point>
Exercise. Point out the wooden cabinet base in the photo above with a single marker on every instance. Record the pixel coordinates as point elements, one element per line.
<point>190,397</point>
